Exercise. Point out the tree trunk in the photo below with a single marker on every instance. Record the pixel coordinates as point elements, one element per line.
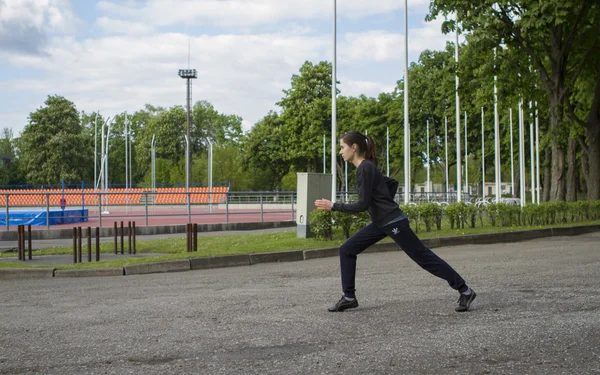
<point>572,175</point>
<point>547,175</point>
<point>557,190</point>
<point>592,131</point>
<point>593,157</point>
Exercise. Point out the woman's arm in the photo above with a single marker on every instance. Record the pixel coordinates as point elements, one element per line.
<point>364,178</point>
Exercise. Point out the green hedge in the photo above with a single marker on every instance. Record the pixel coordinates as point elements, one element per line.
<point>435,216</point>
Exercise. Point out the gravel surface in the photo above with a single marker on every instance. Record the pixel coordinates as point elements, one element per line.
<point>537,312</point>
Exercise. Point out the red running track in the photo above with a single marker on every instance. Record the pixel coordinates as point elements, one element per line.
<point>174,215</point>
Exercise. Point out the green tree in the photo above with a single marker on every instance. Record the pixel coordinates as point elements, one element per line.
<point>559,38</point>
<point>264,153</point>
<point>307,115</point>
<point>52,147</point>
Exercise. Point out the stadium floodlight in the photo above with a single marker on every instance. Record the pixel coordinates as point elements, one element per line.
<point>188,74</point>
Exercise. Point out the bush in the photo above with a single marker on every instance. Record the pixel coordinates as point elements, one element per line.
<point>451,212</point>
<point>431,213</point>
<point>343,221</point>
<point>413,213</point>
<point>320,224</point>
<point>360,221</point>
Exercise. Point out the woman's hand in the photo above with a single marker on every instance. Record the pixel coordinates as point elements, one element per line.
<point>324,204</point>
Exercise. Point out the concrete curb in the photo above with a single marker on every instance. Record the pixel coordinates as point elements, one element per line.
<point>286,256</point>
<point>26,273</point>
<point>219,262</point>
<point>321,253</point>
<point>158,267</point>
<point>279,256</point>
<point>92,272</point>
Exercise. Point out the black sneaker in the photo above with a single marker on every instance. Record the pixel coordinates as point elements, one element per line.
<point>343,304</point>
<point>465,301</point>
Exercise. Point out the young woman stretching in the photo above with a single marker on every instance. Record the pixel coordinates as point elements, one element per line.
<point>375,195</point>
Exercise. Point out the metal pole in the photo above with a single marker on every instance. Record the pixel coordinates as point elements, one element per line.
<point>187,151</point>
<point>102,165</point>
<point>512,168</point>
<point>187,179</point>
<point>153,164</point>
<point>346,175</point>
<point>497,139</point>
<point>531,155</point>
<point>521,154</point>
<point>126,169</point>
<point>482,154</point>
<point>95,152</point>
<point>387,152</point>
<point>210,174</point>
<point>324,153</point>
<point>406,119</point>
<point>467,190</point>
<point>458,161</point>
<point>428,190</point>
<point>446,144</point>
<point>537,153</point>
<point>334,108</point>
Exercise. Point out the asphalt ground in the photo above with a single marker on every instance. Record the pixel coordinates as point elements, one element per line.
<point>537,312</point>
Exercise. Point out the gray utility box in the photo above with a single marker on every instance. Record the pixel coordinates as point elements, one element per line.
<point>311,186</point>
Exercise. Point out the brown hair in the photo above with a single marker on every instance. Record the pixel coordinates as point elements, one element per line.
<point>364,144</point>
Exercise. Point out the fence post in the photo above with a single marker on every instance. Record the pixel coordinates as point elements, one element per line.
<point>48,211</point>
<point>99,196</point>
<point>134,237</point>
<point>122,245</point>
<point>29,239</point>
<point>261,208</point>
<point>189,207</point>
<point>19,243</point>
<point>89,236</point>
<point>97,244</point>
<point>129,237</point>
<point>74,245</point>
<point>146,205</point>
<point>195,229</point>
<point>115,236</point>
<point>79,244</point>
<point>292,206</point>
<point>7,224</point>
<point>227,207</point>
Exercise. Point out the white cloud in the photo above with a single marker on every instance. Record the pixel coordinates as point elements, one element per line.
<point>46,15</point>
<point>374,45</point>
<point>241,13</point>
<point>25,24</point>
<point>113,26</point>
<point>382,46</point>
<point>241,74</point>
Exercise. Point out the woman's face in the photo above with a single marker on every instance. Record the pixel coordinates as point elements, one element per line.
<point>346,151</point>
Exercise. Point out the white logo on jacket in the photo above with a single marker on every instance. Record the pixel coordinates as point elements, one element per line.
<point>395,231</point>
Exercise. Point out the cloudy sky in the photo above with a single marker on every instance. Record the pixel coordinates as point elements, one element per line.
<point>115,56</point>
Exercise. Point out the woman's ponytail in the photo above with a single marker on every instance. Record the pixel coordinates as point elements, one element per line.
<point>371,152</point>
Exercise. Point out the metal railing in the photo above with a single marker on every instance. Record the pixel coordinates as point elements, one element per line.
<point>154,208</point>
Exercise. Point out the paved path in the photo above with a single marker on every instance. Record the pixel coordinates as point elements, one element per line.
<point>538,312</point>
